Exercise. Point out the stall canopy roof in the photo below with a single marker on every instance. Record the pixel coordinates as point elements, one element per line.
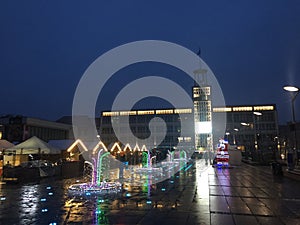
<point>33,145</point>
<point>5,144</point>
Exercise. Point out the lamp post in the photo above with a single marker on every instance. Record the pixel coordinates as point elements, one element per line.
<point>234,140</point>
<point>227,134</point>
<point>294,91</point>
<point>256,128</point>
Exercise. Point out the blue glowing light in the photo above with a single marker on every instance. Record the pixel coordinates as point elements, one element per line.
<point>188,167</point>
<point>128,195</point>
<point>172,181</point>
<point>50,193</point>
<point>44,210</point>
<point>48,188</point>
<point>53,223</point>
<point>43,199</point>
<point>2,198</point>
<point>148,202</point>
<point>88,193</point>
<point>163,189</point>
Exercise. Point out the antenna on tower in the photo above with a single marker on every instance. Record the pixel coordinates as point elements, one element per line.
<point>199,52</point>
<point>200,74</point>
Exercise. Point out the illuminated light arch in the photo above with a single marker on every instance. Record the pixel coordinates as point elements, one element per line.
<point>144,148</point>
<point>78,141</point>
<point>98,146</point>
<point>127,146</point>
<point>116,145</point>
<point>136,148</point>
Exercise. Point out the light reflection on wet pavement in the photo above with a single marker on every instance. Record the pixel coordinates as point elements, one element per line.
<point>48,202</point>
<point>197,195</point>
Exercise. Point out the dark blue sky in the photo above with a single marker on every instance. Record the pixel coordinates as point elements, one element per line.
<point>253,48</point>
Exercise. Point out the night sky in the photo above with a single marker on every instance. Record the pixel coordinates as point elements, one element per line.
<point>253,48</point>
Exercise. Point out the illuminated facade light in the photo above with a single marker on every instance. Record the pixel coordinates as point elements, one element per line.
<point>222,109</point>
<point>242,108</point>
<point>182,111</point>
<point>164,111</point>
<point>115,113</point>
<point>139,124</point>
<point>263,108</point>
<point>187,139</point>
<point>145,112</point>
<point>127,113</point>
<point>204,127</point>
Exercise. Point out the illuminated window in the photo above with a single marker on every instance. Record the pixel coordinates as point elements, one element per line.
<point>110,113</point>
<point>187,139</point>
<point>200,91</point>
<point>183,111</point>
<point>222,109</point>
<point>165,111</point>
<point>242,108</point>
<point>263,108</point>
<point>127,113</point>
<point>196,92</point>
<point>146,112</point>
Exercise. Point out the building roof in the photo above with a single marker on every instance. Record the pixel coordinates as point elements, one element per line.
<point>5,144</point>
<point>33,145</point>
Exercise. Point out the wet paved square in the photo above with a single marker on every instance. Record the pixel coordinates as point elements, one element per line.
<point>241,195</point>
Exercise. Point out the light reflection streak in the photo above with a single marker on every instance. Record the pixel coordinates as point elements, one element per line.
<point>29,200</point>
<point>202,179</point>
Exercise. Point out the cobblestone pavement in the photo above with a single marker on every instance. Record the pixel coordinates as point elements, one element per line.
<point>196,195</point>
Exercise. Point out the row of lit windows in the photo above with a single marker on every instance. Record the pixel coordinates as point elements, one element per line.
<point>189,110</point>
<point>244,108</point>
<point>147,112</point>
<point>184,139</point>
<point>200,91</point>
<point>202,103</point>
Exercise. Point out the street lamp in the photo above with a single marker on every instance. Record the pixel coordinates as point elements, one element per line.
<point>245,124</point>
<point>234,140</point>
<point>227,133</point>
<point>256,128</point>
<point>257,113</point>
<point>294,91</point>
